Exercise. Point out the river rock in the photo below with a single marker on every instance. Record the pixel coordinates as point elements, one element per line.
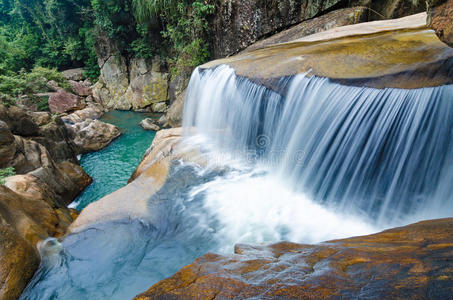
<point>440,18</point>
<point>407,262</point>
<point>32,208</point>
<point>366,54</point>
<point>62,101</point>
<point>46,139</point>
<point>93,135</point>
<point>19,261</point>
<point>7,144</point>
<point>18,120</point>
<point>79,88</point>
<point>74,74</point>
<point>149,124</point>
<point>41,117</point>
<point>90,112</point>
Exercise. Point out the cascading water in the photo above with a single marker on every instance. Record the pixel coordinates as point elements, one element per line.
<point>383,153</point>
<point>308,161</point>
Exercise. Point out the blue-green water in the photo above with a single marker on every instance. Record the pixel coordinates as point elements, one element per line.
<point>112,166</point>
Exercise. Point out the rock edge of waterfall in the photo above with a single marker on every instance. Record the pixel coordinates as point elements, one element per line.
<point>413,261</point>
<point>42,149</point>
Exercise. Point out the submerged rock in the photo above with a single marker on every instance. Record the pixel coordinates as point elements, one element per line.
<point>406,262</point>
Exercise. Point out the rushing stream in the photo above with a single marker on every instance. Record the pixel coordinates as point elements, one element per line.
<point>314,161</point>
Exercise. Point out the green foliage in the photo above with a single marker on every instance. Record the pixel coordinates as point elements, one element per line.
<point>6,173</point>
<point>63,33</point>
<point>48,33</point>
<point>187,30</point>
<point>29,84</point>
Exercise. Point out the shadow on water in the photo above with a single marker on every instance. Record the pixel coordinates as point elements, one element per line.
<point>118,260</point>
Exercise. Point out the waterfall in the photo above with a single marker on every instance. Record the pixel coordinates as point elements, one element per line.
<point>383,153</point>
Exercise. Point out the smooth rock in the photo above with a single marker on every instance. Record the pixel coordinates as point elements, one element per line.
<point>32,208</point>
<point>149,124</point>
<point>393,53</point>
<point>94,135</point>
<point>40,130</point>
<point>63,101</point>
<point>91,112</point>
<point>174,114</point>
<point>131,201</point>
<point>18,120</point>
<point>411,262</point>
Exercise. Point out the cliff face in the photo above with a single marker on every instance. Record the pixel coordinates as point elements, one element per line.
<point>440,18</point>
<point>134,83</point>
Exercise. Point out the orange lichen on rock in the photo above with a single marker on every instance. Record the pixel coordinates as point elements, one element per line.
<point>407,262</point>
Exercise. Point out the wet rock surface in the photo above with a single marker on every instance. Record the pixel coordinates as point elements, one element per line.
<point>407,262</point>
<point>367,54</point>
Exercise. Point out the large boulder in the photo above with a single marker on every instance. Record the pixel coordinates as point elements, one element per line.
<point>79,88</point>
<point>33,207</point>
<point>93,135</point>
<point>440,18</point>
<point>74,74</point>
<point>377,54</point>
<point>62,101</point>
<point>175,111</point>
<point>148,84</point>
<point>145,86</point>
<point>32,131</point>
<point>149,124</point>
<point>146,180</point>
<point>411,262</point>
<point>19,121</point>
<point>19,261</point>
<point>90,112</point>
